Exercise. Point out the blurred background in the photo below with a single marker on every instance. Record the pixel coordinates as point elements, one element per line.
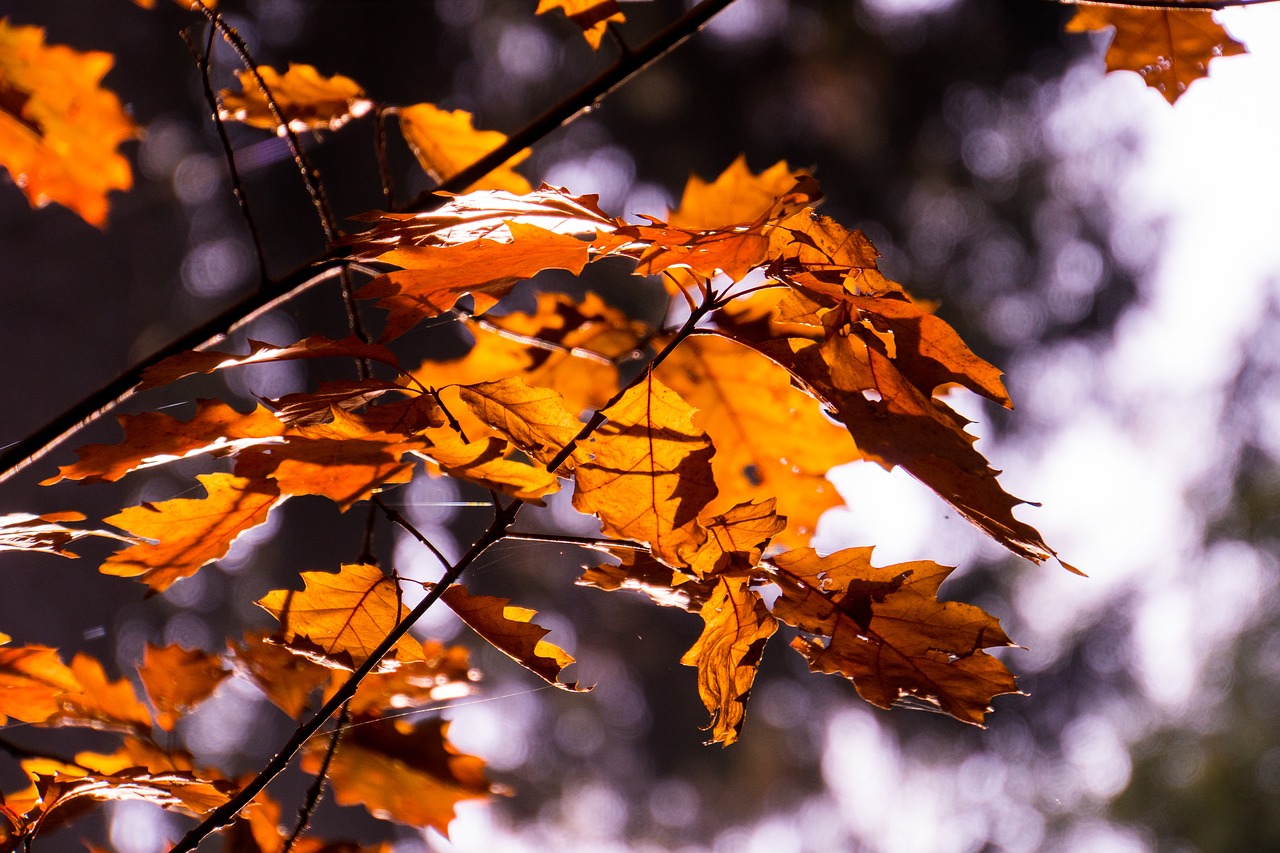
<point>1117,257</point>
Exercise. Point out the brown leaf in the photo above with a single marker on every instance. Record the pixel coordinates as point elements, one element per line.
<point>886,631</point>
<point>733,250</point>
<point>446,142</point>
<point>59,130</point>
<point>313,408</point>
<point>535,419</point>
<point>407,773</point>
<point>1170,48</point>
<point>178,679</point>
<point>153,438</point>
<point>485,463</point>
<point>510,630</point>
<point>592,16</point>
<point>825,259</point>
<point>101,703</point>
<point>287,679</point>
<point>341,616</point>
<point>435,277</point>
<point>21,531</point>
<point>727,654</point>
<point>640,572</point>
<point>307,100</point>
<point>178,790</point>
<point>736,540</point>
<point>190,532</point>
<point>317,346</point>
<point>437,673</point>
<point>771,439</point>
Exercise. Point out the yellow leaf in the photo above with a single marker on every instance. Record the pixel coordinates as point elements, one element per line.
<point>1170,48</point>
<point>307,100</point>
<point>341,616</point>
<point>592,16</point>
<point>727,654</point>
<point>190,533</point>
<point>446,142</point>
<point>59,130</point>
<point>484,462</point>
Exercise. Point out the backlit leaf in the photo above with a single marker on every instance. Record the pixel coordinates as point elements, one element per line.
<point>21,531</point>
<point>178,679</point>
<point>486,463</point>
<point>884,628</point>
<point>735,196</point>
<point>190,532</point>
<point>446,142</point>
<point>34,683</point>
<point>317,346</point>
<point>59,129</point>
<point>435,674</point>
<point>101,703</point>
<point>402,772</point>
<point>307,100</point>
<point>287,679</point>
<point>1170,48</point>
<point>727,654</point>
<point>341,616</point>
<point>592,16</point>
<point>511,631</point>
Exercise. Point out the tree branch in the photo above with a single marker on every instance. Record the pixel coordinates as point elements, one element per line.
<point>36,445</point>
<point>317,788</point>
<point>1202,5</point>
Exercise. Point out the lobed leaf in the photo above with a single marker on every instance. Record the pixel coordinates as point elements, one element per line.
<point>592,16</point>
<point>307,100</point>
<point>446,142</point>
<point>21,531</point>
<point>178,679</point>
<point>511,631</point>
<point>317,346</point>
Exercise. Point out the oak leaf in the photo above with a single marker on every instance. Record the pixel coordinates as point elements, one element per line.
<point>59,129</point>
<point>639,572</point>
<point>434,674</point>
<point>307,100</point>
<point>190,533</point>
<point>178,679</point>
<point>511,631</point>
<point>317,346</point>
<point>407,773</point>
<point>285,678</point>
<point>1169,48</point>
<point>535,419</point>
<point>101,703</point>
<point>592,16</point>
<point>446,142</point>
<point>884,629</point>
<point>313,408</point>
<point>771,439</point>
<point>737,195</point>
<point>21,531</point>
<point>34,683</point>
<point>727,654</point>
<point>340,618</point>
<point>486,462</point>
<point>734,250</point>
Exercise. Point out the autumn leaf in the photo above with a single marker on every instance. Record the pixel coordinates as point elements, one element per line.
<point>733,250</point>
<point>434,674</point>
<point>535,419</point>
<point>178,679</point>
<point>638,571</point>
<point>435,277</point>
<point>592,16</point>
<point>736,540</point>
<point>737,195</point>
<point>402,772</point>
<point>190,533</point>
<point>1169,48</point>
<point>486,462</point>
<point>317,346</point>
<point>511,631</point>
<point>154,438</point>
<point>179,790</point>
<point>34,682</point>
<point>314,408</point>
<point>59,129</point>
<point>771,439</point>
<point>727,654</point>
<point>339,619</point>
<point>101,703</point>
<point>446,142</point>
<point>307,100</point>
<point>826,260</point>
<point>884,629</point>
<point>286,678</point>
<point>21,531</point>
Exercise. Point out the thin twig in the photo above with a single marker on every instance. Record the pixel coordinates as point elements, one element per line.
<point>529,340</point>
<point>380,153</point>
<point>407,526</point>
<point>1192,5</point>
<point>317,788</point>
<point>593,542</point>
<point>237,188</point>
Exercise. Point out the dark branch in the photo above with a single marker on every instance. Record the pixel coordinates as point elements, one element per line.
<point>317,788</point>
<point>1203,5</point>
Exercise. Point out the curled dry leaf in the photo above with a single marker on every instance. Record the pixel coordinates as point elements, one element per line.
<point>446,142</point>
<point>340,618</point>
<point>511,631</point>
<point>21,531</point>
<point>1169,48</point>
<point>307,100</point>
<point>317,346</point>
<point>592,16</point>
<point>59,129</point>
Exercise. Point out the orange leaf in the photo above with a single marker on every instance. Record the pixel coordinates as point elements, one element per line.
<point>101,703</point>
<point>435,277</point>
<point>535,419</point>
<point>638,571</point>
<point>407,773</point>
<point>771,439</point>
<point>735,196</point>
<point>178,679</point>
<point>59,130</point>
<point>733,250</point>
<point>825,259</point>
<point>511,631</point>
<point>727,654</point>
<point>484,462</point>
<point>340,617</point>
<point>307,100</point>
<point>437,673</point>
<point>20,531</point>
<point>592,16</point>
<point>888,633</point>
<point>191,533</point>
<point>34,683</point>
<point>287,679</point>
<point>1170,48</point>
<point>153,438</point>
<point>446,142</point>
<point>317,346</point>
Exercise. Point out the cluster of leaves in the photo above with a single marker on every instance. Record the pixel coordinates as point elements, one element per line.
<point>699,446</point>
